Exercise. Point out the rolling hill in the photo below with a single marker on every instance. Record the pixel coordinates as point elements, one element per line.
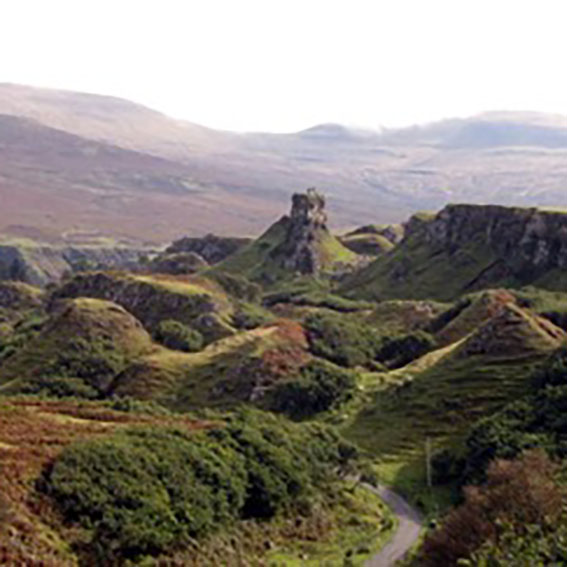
<point>77,165</point>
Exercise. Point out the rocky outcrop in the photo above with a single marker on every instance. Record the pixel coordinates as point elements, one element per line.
<point>40,265</point>
<point>211,248</point>
<point>466,248</point>
<point>525,239</point>
<point>297,244</point>
<point>306,231</point>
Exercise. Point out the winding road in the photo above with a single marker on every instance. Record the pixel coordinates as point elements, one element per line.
<point>407,534</point>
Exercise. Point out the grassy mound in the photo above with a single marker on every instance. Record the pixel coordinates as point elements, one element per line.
<point>263,260</point>
<point>367,244</point>
<point>231,370</point>
<point>194,301</point>
<point>419,269</point>
<point>469,313</point>
<point>87,339</point>
<point>404,316</point>
<point>440,396</point>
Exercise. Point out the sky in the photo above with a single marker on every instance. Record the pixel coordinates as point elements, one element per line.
<point>285,65</point>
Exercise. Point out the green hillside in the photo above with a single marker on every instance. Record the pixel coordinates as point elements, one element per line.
<point>465,248</point>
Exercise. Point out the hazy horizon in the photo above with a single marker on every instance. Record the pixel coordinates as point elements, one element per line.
<point>285,67</point>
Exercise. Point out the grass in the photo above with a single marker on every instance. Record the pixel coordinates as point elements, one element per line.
<point>362,525</point>
<point>367,243</point>
<point>417,270</point>
<point>404,316</point>
<point>439,396</point>
<point>32,433</point>
<point>219,376</point>
<point>262,259</point>
<point>94,321</point>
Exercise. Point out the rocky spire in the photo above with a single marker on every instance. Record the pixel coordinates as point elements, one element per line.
<point>307,227</point>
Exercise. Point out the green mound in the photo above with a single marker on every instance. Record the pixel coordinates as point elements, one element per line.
<point>468,313</point>
<point>232,370</point>
<point>367,244</point>
<point>404,316</point>
<point>195,301</point>
<point>85,344</point>
<point>440,396</point>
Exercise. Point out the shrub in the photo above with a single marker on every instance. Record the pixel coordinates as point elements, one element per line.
<point>145,491</point>
<point>59,388</point>
<point>341,339</point>
<point>517,494</point>
<point>177,336</point>
<point>96,362</point>
<point>320,387</point>
<point>23,332</point>
<point>142,492</point>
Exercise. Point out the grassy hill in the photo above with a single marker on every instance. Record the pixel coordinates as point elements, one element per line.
<point>295,245</point>
<point>80,349</point>
<point>464,248</point>
<point>439,396</point>
<point>238,182</point>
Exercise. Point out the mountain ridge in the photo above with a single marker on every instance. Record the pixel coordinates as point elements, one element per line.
<point>239,181</point>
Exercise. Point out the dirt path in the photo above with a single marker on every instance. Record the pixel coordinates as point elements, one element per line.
<point>407,534</point>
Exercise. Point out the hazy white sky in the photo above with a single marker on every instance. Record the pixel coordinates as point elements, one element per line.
<point>283,65</point>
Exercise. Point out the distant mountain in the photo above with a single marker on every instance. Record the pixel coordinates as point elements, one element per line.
<point>75,164</point>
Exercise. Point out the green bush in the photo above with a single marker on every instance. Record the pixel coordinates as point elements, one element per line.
<point>342,340</point>
<point>320,387</point>
<point>23,332</point>
<point>95,362</point>
<point>538,420</point>
<point>177,336</point>
<point>142,492</point>
<point>59,388</point>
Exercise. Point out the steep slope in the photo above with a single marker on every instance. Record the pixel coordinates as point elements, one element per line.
<point>469,247</point>
<point>108,119</point>
<point>57,186</point>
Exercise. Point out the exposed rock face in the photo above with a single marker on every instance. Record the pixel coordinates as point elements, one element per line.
<point>211,248</point>
<point>465,248</point>
<point>41,265</point>
<point>524,238</point>
<point>307,227</point>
